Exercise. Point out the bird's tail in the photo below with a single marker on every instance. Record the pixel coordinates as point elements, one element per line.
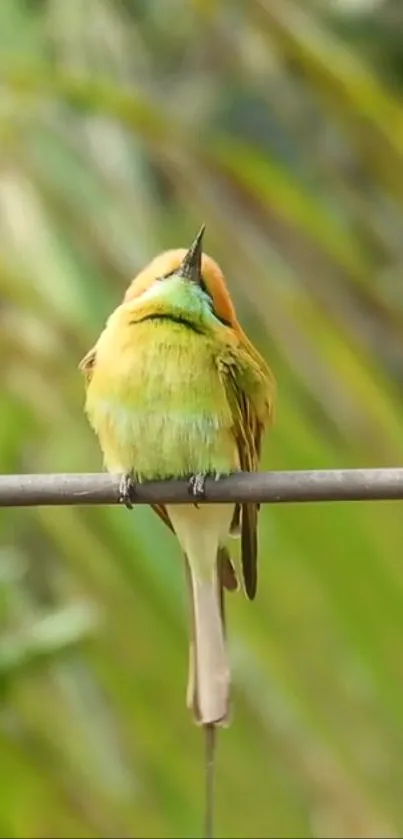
<point>199,532</point>
<point>209,677</point>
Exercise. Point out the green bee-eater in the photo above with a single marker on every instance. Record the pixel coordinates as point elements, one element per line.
<point>176,389</point>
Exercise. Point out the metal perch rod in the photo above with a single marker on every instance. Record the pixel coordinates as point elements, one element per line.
<point>271,487</point>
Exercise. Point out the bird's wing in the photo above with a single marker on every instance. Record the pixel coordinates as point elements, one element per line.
<point>250,391</point>
<point>87,364</point>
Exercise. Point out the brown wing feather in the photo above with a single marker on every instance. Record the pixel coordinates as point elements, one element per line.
<point>162,513</point>
<point>87,364</point>
<point>248,435</point>
<point>249,425</point>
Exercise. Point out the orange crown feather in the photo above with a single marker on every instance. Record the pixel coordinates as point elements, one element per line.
<point>169,261</point>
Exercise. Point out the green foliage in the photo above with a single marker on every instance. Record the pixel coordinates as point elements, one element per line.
<point>123,126</point>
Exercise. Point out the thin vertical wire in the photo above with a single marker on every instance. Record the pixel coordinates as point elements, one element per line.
<point>210,744</point>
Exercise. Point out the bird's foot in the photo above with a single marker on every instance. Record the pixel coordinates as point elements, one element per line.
<point>127,490</point>
<point>197,486</point>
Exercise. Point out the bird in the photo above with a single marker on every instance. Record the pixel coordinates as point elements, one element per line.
<point>175,389</point>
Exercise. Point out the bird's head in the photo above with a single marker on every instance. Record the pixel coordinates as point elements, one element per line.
<point>184,276</point>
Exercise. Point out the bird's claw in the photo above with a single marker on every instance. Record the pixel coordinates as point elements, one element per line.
<point>197,486</point>
<point>127,491</point>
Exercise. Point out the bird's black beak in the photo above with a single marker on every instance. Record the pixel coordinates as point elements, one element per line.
<point>190,267</point>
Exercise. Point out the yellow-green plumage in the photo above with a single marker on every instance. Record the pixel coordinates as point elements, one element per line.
<point>157,400</point>
<point>174,388</point>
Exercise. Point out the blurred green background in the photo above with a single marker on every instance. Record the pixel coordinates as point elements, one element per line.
<point>123,126</point>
